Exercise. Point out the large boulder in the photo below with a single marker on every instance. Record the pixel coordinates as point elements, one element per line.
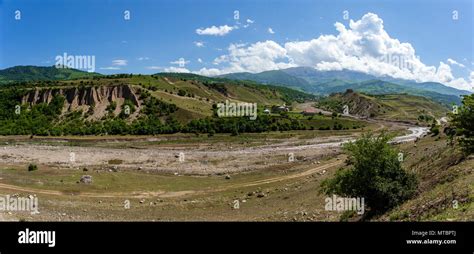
<point>86,179</point>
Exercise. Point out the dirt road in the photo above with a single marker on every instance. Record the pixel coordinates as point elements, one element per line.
<point>23,153</point>
<point>164,194</point>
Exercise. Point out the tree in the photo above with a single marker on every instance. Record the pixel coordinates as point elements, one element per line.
<point>434,129</point>
<point>375,174</point>
<point>32,167</point>
<point>463,123</point>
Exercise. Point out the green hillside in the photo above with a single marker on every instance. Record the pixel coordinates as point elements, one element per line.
<point>36,73</point>
<point>383,87</point>
<point>401,107</point>
<point>273,77</point>
<point>150,104</point>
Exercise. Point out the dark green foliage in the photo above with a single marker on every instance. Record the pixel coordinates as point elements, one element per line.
<point>111,107</point>
<point>463,124</point>
<point>425,118</point>
<point>19,120</point>
<point>32,167</point>
<point>434,129</point>
<point>128,108</point>
<point>40,73</point>
<point>154,117</point>
<point>375,174</point>
<point>156,107</point>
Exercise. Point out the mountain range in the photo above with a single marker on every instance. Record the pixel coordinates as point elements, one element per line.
<point>304,79</point>
<point>326,82</point>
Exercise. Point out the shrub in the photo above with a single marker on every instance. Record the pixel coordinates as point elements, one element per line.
<point>462,122</point>
<point>32,167</point>
<point>375,174</point>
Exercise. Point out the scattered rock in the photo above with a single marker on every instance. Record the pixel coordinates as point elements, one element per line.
<point>227,177</point>
<point>86,179</point>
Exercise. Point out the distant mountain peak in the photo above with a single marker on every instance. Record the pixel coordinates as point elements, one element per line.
<point>325,82</point>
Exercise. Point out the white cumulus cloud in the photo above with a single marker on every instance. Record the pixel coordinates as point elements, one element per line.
<point>199,44</point>
<point>214,30</point>
<point>257,57</point>
<point>180,61</point>
<point>454,62</point>
<point>110,68</point>
<point>119,62</point>
<point>363,46</point>
<point>176,69</point>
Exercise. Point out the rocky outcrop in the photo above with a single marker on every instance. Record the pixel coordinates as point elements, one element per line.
<point>83,98</point>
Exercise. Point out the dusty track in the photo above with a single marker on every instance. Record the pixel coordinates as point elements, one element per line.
<point>416,133</point>
<point>165,194</point>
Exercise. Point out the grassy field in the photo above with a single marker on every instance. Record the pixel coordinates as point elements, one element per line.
<point>443,174</point>
<point>206,198</point>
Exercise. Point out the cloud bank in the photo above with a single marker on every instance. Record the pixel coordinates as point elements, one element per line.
<point>363,46</point>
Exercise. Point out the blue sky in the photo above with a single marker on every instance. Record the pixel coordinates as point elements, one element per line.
<point>160,32</point>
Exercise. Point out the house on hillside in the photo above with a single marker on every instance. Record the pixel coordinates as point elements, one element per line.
<point>278,109</point>
<point>309,112</point>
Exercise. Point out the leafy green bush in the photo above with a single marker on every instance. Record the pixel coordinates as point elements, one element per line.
<point>375,174</point>
<point>463,123</point>
<point>111,107</point>
<point>434,129</point>
<point>32,167</point>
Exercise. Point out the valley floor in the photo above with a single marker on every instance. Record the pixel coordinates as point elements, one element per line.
<point>250,177</point>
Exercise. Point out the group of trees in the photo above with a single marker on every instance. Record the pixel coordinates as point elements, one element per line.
<point>155,118</point>
<point>375,172</point>
<point>462,125</point>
